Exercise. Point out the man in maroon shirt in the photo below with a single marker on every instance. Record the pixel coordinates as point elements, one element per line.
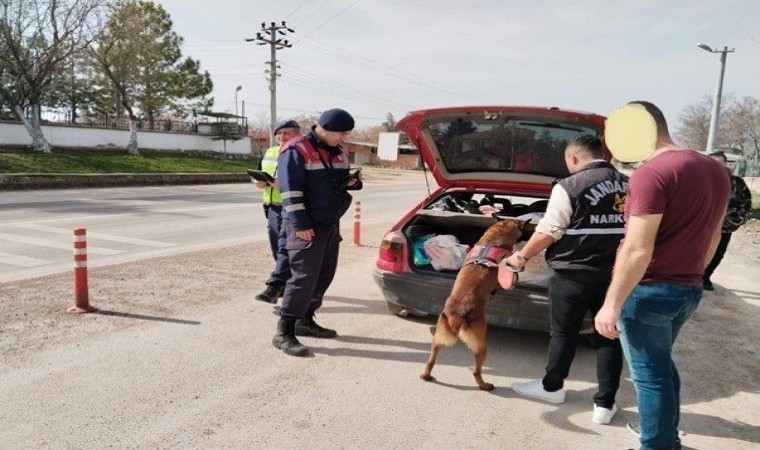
<point>674,209</point>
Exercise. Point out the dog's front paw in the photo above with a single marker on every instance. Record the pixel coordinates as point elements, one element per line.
<point>427,377</point>
<point>486,387</point>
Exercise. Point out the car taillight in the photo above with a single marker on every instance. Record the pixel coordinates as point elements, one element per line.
<point>391,255</point>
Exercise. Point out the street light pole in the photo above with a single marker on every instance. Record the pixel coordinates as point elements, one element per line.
<point>275,44</point>
<point>237,89</point>
<point>718,91</point>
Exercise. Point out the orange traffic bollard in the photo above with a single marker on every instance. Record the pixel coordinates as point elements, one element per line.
<point>81,291</point>
<point>357,241</point>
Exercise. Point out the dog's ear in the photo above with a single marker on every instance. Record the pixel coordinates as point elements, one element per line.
<point>497,217</point>
<point>527,229</point>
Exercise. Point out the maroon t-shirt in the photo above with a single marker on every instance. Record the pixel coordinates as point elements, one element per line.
<point>691,191</point>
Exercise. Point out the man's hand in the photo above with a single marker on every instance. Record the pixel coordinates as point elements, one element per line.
<point>306,235</point>
<point>606,321</point>
<point>513,261</point>
<point>259,184</point>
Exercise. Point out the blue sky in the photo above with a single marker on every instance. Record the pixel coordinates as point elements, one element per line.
<point>372,57</point>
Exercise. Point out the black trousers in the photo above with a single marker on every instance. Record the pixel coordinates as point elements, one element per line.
<point>277,242</point>
<point>725,238</point>
<point>569,302</point>
<point>312,268</point>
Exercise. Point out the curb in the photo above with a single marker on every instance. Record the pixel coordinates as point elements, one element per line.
<point>21,181</point>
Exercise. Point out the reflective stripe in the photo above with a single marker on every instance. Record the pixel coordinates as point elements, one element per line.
<point>80,238</point>
<point>80,251</point>
<point>291,194</point>
<point>595,231</point>
<point>295,207</point>
<point>80,264</point>
<point>314,166</point>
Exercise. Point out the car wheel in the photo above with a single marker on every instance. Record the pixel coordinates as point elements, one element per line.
<point>403,311</point>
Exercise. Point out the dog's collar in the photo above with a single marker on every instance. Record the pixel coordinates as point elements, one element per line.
<point>487,255</point>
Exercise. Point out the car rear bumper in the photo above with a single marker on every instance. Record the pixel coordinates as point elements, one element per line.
<point>524,308</point>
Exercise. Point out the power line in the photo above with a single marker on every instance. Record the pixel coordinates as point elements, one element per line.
<point>339,93</point>
<point>372,65</point>
<point>319,8</point>
<point>328,20</point>
<point>360,92</point>
<point>296,9</point>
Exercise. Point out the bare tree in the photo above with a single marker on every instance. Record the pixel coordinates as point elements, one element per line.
<point>259,122</point>
<point>743,126</point>
<point>694,124</point>
<point>36,38</point>
<point>738,129</point>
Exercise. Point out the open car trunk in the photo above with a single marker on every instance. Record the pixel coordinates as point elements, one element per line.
<point>466,216</point>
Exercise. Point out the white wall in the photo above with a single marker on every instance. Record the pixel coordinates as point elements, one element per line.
<point>72,136</point>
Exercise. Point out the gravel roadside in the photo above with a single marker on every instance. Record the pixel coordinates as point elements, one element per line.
<point>179,357</point>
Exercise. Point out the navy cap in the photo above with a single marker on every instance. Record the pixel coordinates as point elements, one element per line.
<point>286,124</point>
<point>336,120</point>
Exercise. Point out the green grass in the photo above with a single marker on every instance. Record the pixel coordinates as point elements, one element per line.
<point>112,161</point>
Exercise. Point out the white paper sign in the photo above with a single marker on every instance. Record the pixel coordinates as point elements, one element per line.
<point>387,146</point>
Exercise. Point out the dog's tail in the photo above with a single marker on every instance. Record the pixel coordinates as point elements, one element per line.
<point>446,332</point>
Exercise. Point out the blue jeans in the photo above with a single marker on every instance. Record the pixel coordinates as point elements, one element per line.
<point>649,323</point>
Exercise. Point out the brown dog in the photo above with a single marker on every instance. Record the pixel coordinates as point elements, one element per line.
<point>464,315</point>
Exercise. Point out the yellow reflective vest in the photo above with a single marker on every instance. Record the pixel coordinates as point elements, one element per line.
<point>269,165</point>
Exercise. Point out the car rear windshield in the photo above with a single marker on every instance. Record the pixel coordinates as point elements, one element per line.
<point>521,145</point>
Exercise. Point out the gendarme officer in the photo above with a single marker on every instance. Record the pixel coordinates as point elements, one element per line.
<point>284,131</point>
<point>313,178</point>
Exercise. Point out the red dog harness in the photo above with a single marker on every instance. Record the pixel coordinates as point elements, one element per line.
<point>492,256</point>
<point>487,255</point>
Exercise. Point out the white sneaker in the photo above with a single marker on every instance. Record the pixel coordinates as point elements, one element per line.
<point>535,389</point>
<point>603,415</point>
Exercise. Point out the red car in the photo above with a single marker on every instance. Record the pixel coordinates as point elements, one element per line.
<point>484,158</point>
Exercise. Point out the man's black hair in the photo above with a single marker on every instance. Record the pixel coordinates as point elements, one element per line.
<point>591,143</point>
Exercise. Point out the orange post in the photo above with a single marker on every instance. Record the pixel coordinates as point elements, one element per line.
<point>81,291</point>
<point>357,241</point>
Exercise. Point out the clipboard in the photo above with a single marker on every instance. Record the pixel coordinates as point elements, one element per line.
<point>259,175</point>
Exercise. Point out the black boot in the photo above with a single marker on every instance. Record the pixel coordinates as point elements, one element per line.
<point>285,339</point>
<point>308,327</point>
<point>270,294</point>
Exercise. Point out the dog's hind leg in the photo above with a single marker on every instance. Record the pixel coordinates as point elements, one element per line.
<point>475,339</point>
<point>442,336</point>
<point>434,349</point>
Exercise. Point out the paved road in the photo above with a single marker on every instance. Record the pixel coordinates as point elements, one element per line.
<point>179,355</point>
<point>129,224</point>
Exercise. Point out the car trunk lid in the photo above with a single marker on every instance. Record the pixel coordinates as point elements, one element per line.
<point>518,148</point>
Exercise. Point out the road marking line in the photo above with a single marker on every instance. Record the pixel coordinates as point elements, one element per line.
<point>56,244</point>
<point>82,219</point>
<point>22,261</point>
<point>99,236</point>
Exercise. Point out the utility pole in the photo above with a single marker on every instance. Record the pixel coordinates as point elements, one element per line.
<point>269,35</point>
<point>711,136</point>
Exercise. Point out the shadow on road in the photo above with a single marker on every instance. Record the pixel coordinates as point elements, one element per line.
<point>105,312</point>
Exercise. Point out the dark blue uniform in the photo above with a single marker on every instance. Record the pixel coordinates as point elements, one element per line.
<point>311,177</point>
